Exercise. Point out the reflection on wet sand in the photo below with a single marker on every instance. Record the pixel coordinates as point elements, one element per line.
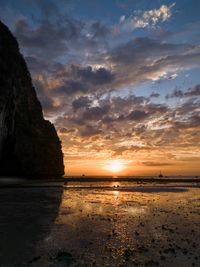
<point>26,217</point>
<point>111,225</point>
<point>147,225</point>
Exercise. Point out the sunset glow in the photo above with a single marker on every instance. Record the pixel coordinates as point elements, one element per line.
<point>118,90</point>
<point>115,166</point>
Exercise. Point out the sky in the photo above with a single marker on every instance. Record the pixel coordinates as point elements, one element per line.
<point>120,80</point>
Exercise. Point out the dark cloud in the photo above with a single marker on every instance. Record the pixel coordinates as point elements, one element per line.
<point>99,30</point>
<point>46,40</point>
<point>191,92</point>
<point>145,112</point>
<point>99,76</point>
<point>138,115</point>
<point>195,91</point>
<point>63,130</point>
<point>81,102</point>
<point>89,130</point>
<point>71,87</point>
<point>145,59</point>
<point>154,94</point>
<point>109,116</point>
<point>95,113</point>
<point>192,121</point>
<point>58,35</point>
<point>176,93</point>
<point>76,81</point>
<point>137,50</point>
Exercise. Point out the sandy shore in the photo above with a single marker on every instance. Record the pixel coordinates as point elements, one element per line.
<point>112,225</point>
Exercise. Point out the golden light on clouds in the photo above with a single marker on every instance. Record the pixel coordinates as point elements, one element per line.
<point>123,96</point>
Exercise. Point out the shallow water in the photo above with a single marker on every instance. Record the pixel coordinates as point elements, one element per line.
<point>104,224</point>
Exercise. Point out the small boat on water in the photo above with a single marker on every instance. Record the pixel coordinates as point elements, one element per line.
<point>160,175</point>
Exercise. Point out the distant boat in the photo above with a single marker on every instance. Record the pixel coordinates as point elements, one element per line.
<point>160,175</point>
<point>83,174</point>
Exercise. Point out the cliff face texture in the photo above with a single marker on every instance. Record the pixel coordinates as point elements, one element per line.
<point>29,145</point>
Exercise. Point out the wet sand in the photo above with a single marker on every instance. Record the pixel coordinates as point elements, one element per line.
<point>109,224</point>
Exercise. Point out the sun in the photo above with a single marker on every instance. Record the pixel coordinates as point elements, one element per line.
<point>114,166</point>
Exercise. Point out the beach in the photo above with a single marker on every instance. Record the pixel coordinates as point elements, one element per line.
<point>101,224</point>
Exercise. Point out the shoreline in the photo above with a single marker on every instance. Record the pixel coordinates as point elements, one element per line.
<point>13,182</point>
<point>132,179</point>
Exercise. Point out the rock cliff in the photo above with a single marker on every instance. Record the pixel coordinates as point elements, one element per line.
<point>29,145</point>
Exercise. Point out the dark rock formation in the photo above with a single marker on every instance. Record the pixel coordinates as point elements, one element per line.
<point>29,145</point>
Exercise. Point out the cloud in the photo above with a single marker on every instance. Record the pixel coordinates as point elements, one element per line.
<point>71,87</point>
<point>133,110</point>
<point>61,38</point>
<point>51,45</point>
<point>147,19</point>
<point>122,18</point>
<point>77,80</point>
<point>153,94</point>
<point>81,102</point>
<point>191,92</point>
<point>48,39</point>
<point>94,113</point>
<point>89,130</point>
<point>156,164</point>
<point>98,76</point>
<point>195,91</point>
<point>78,95</point>
<point>131,63</point>
<point>138,115</point>
<point>139,126</point>
<point>99,30</point>
<point>144,59</point>
<point>147,50</point>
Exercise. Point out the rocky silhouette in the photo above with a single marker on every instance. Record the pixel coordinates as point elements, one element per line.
<point>29,145</point>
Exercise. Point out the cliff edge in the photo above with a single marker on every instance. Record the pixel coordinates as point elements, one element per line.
<point>29,145</point>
